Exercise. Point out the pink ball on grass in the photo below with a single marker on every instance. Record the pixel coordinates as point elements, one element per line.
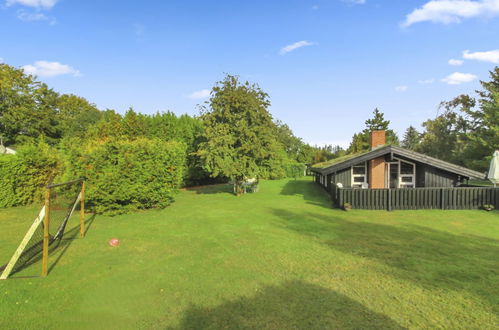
<point>114,242</point>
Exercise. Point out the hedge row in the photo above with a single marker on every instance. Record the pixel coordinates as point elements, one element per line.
<point>24,175</point>
<point>127,175</point>
<point>121,175</point>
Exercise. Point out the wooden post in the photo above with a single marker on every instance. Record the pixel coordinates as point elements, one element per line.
<point>340,195</point>
<point>389,199</point>
<point>82,209</point>
<point>46,223</point>
<point>442,199</point>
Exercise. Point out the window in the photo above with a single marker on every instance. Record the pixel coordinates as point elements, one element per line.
<point>400,174</point>
<point>407,174</point>
<point>359,169</point>
<point>359,175</point>
<point>406,168</point>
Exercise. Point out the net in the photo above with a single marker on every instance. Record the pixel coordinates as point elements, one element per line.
<point>62,204</point>
<point>63,207</point>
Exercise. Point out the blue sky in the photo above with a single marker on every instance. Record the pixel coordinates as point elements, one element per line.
<point>326,63</point>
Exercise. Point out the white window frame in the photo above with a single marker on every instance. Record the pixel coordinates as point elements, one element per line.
<point>412,176</point>
<point>359,184</point>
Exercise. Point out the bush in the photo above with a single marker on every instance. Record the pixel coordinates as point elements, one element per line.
<point>347,206</point>
<point>295,170</point>
<point>23,176</point>
<point>488,207</point>
<point>126,175</point>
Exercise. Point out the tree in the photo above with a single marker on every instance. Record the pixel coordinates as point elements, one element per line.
<point>295,148</point>
<point>15,100</point>
<point>76,115</point>
<point>360,141</point>
<point>134,124</point>
<point>110,125</point>
<point>238,140</point>
<point>377,123</point>
<point>412,138</point>
<point>306,155</point>
<point>484,137</point>
<point>27,107</point>
<point>440,138</point>
<point>467,133</point>
<point>292,145</point>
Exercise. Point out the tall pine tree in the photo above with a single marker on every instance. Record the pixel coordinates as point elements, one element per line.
<point>412,138</point>
<point>360,141</point>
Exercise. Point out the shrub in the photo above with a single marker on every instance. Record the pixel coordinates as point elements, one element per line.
<point>295,170</point>
<point>347,206</point>
<point>279,166</point>
<point>126,175</point>
<point>488,207</point>
<point>23,176</point>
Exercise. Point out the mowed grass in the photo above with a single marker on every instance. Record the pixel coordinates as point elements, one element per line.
<point>277,259</point>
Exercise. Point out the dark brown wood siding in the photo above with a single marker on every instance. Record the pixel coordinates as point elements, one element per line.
<point>434,177</point>
<point>345,177</point>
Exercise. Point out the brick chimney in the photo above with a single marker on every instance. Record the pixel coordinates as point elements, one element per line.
<point>376,172</point>
<point>377,139</point>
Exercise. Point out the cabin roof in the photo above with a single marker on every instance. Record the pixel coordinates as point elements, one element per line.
<point>347,161</point>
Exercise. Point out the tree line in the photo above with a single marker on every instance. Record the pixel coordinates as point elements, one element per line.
<point>465,132</point>
<point>234,137</point>
<point>135,160</point>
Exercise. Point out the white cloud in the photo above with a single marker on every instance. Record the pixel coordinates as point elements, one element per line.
<point>315,7</point>
<point>452,11</point>
<point>458,78</point>
<point>38,5</point>
<point>455,62</point>
<point>356,2</point>
<point>402,88</point>
<point>204,93</point>
<point>490,56</point>
<point>30,17</point>
<point>295,46</point>
<point>49,69</point>
<point>1,60</point>
<point>426,81</point>
<point>46,4</point>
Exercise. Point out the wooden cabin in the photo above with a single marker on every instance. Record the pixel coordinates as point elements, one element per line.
<point>387,166</point>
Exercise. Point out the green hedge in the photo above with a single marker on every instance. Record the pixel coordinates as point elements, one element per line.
<point>127,175</point>
<point>280,168</point>
<point>24,175</point>
<point>295,170</point>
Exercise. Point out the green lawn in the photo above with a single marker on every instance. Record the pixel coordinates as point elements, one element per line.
<point>280,258</point>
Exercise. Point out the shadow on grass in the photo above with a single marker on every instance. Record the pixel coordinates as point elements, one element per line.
<point>68,238</point>
<point>311,192</point>
<point>221,188</point>
<point>59,246</point>
<point>428,258</point>
<point>293,305</point>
